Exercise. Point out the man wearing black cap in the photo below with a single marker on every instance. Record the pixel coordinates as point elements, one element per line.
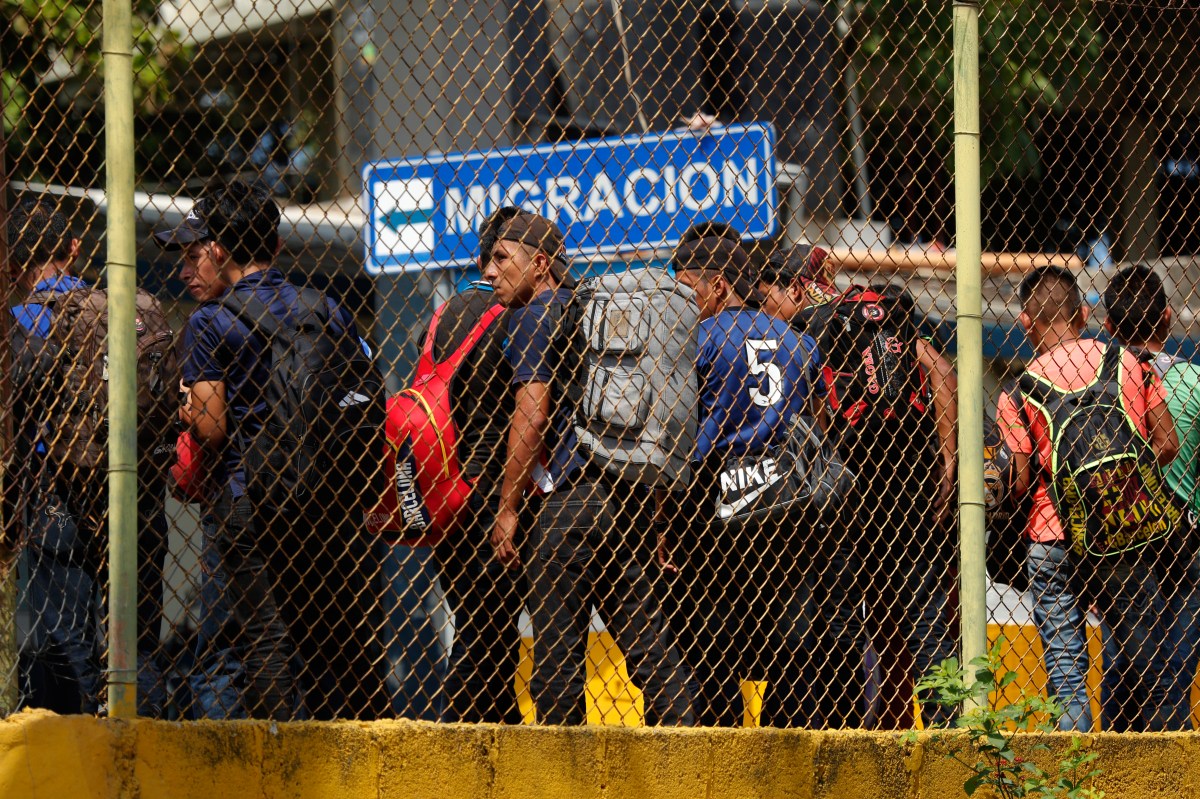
<point>484,597</point>
<point>584,548</point>
<point>325,600</point>
<point>905,467</point>
<point>747,609</point>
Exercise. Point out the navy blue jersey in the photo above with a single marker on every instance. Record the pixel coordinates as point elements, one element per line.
<point>755,374</point>
<point>218,348</point>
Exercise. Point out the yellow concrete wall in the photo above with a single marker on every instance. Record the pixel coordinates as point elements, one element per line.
<point>612,699</point>
<point>43,756</point>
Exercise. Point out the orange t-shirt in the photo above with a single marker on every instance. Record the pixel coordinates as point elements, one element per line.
<point>1070,367</point>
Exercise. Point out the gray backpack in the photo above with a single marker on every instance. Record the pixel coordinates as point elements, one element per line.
<point>638,402</point>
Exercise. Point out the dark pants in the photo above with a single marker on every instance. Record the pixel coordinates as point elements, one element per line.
<point>306,585</point>
<point>906,577</point>
<point>587,549</point>
<point>65,593</point>
<point>486,600</point>
<point>757,604</point>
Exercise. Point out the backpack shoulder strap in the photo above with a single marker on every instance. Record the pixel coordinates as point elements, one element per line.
<point>252,312</point>
<point>42,298</point>
<point>1039,390</point>
<point>1110,364</point>
<point>820,319</point>
<point>473,338</point>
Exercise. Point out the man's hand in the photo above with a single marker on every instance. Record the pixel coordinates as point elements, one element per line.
<point>700,122</point>
<point>503,536</point>
<point>664,554</point>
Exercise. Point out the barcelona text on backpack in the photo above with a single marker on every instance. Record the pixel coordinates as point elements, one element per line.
<point>318,449</point>
<point>427,489</point>
<point>78,428</point>
<point>1107,488</point>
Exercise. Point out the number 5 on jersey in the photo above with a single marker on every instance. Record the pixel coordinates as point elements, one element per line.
<point>769,391</point>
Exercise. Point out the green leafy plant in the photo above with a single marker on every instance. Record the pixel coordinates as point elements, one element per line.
<point>1034,58</point>
<point>982,738</point>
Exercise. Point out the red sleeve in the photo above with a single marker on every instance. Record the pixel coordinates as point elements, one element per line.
<point>1012,426</point>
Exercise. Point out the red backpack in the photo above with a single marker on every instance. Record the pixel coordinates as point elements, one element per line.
<point>428,490</point>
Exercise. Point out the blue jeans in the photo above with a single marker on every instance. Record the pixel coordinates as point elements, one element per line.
<point>583,552</point>
<point>1125,690</point>
<point>218,675</point>
<point>64,596</point>
<point>415,622</point>
<point>1126,592</point>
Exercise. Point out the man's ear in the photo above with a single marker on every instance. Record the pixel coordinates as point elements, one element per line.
<point>795,290</point>
<point>75,249</point>
<point>1108,327</point>
<point>1085,313</point>
<point>1025,321</point>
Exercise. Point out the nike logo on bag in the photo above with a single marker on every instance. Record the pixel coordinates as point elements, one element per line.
<point>725,511</point>
<point>353,398</point>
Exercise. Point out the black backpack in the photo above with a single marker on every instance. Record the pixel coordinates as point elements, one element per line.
<point>321,446</point>
<point>867,340</point>
<point>1107,487</point>
<point>1007,515</point>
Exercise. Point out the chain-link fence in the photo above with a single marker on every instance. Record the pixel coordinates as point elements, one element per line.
<point>681,446</point>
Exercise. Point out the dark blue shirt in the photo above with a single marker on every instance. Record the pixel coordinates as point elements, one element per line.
<point>536,357</point>
<point>33,316</point>
<point>218,347</point>
<point>755,374</point>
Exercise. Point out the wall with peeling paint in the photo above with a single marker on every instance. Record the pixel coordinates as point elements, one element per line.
<point>44,756</point>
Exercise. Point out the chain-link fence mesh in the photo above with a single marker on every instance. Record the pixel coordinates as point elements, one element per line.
<point>752,243</point>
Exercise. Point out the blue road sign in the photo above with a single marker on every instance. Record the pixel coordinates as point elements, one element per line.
<point>608,195</point>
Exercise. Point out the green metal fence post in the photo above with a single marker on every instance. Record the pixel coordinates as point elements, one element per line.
<point>968,242</point>
<point>122,358</point>
<point>8,526</point>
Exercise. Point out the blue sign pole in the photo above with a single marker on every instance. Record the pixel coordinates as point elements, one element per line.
<point>608,195</point>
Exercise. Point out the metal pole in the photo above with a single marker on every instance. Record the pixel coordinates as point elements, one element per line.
<point>8,526</point>
<point>122,359</point>
<point>973,572</point>
<point>857,128</point>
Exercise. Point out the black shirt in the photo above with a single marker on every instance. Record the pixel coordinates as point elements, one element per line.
<point>481,391</point>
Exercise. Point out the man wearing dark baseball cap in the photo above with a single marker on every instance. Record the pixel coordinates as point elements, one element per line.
<point>538,232</point>
<point>795,279</point>
<point>723,257</point>
<point>191,230</point>
<point>578,503</point>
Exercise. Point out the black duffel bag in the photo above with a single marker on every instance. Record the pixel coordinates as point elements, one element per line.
<point>802,477</point>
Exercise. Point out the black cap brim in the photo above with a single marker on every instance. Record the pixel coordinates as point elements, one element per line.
<point>188,232</point>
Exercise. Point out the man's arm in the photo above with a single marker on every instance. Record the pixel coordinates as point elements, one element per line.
<point>1019,440</point>
<point>526,441</point>
<point>944,385</point>
<point>1163,438</point>
<point>204,413</point>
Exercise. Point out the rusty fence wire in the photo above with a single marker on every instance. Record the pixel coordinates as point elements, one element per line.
<point>681,446</point>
